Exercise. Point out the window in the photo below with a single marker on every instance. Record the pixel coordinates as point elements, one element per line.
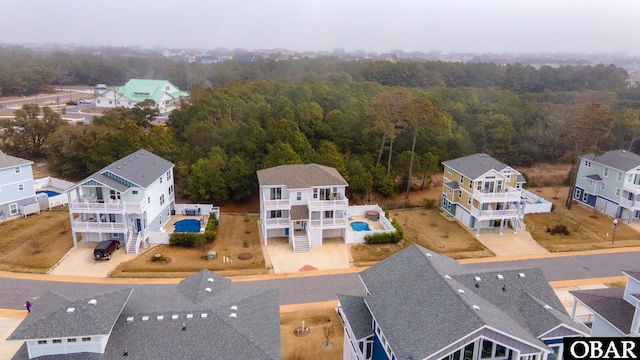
<point>479,185</point>
<point>112,218</point>
<point>72,340</point>
<point>461,179</point>
<point>471,185</point>
<point>459,194</point>
<point>160,179</point>
<point>168,175</point>
<point>487,349</point>
<point>585,196</point>
<point>299,196</point>
<point>110,102</point>
<point>162,199</point>
<point>315,193</point>
<point>577,194</point>
<point>590,182</point>
<point>275,214</point>
<point>148,199</point>
<point>629,177</point>
<point>166,87</point>
<point>13,209</point>
<point>328,214</point>
<point>469,200</point>
<point>42,342</point>
<point>20,187</point>
<point>448,205</point>
<point>587,163</point>
<point>170,189</point>
<point>605,171</point>
<point>449,170</point>
<point>17,170</point>
<point>57,341</point>
<point>602,186</point>
<point>86,339</point>
<point>617,191</point>
<point>450,191</point>
<point>508,177</point>
<point>276,193</point>
<point>620,175</point>
<point>134,192</point>
<point>114,195</point>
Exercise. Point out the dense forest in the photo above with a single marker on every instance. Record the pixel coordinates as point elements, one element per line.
<point>379,123</point>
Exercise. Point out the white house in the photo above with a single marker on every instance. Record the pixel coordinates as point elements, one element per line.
<point>423,305</point>
<point>162,92</point>
<point>203,317</point>
<point>610,312</point>
<point>124,201</point>
<point>307,203</point>
<point>17,190</point>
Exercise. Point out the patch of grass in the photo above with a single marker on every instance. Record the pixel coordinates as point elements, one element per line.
<point>35,243</point>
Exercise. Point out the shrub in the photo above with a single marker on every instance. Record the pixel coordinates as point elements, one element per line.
<point>429,203</point>
<point>211,230</point>
<point>386,238</point>
<point>185,239</point>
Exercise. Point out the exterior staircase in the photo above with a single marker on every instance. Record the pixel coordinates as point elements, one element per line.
<point>516,223</point>
<point>301,244</point>
<point>134,244</point>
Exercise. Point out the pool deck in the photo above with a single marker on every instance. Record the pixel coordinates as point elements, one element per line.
<point>373,225</point>
<point>168,227</point>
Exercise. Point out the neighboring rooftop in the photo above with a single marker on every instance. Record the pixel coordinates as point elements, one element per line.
<point>609,304</point>
<point>618,159</point>
<point>12,161</point>
<point>476,165</point>
<point>141,89</point>
<point>301,176</point>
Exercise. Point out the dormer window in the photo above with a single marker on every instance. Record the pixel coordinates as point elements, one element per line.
<point>17,170</point>
<point>587,163</point>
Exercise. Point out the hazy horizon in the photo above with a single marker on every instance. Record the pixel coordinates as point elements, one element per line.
<point>490,26</point>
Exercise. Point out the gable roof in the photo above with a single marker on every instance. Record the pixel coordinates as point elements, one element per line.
<point>635,274</point>
<point>140,168</point>
<point>618,159</point>
<point>452,307</point>
<point>610,305</point>
<point>253,334</point>
<point>476,165</point>
<point>300,176</point>
<point>359,316</point>
<point>50,318</point>
<point>154,88</point>
<point>12,161</point>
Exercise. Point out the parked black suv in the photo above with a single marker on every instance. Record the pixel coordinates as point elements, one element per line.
<point>72,103</point>
<point>104,249</point>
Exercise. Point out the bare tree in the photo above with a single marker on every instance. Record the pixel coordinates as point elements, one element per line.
<point>328,331</point>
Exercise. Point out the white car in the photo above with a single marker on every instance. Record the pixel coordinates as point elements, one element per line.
<point>84,101</point>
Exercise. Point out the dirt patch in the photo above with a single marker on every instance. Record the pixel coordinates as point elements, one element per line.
<point>232,240</point>
<point>547,175</point>
<point>312,345</point>
<point>35,243</point>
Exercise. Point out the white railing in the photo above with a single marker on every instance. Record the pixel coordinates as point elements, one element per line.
<point>328,222</point>
<point>97,226</point>
<point>630,204</point>
<point>30,209</point>
<point>585,319</point>
<point>327,204</point>
<point>52,182</point>
<point>632,188</point>
<point>506,195</point>
<point>277,222</point>
<point>135,206</point>
<point>494,214</point>
<point>279,203</point>
<point>182,209</point>
<point>97,206</point>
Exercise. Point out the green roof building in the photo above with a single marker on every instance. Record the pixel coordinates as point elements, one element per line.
<point>162,92</point>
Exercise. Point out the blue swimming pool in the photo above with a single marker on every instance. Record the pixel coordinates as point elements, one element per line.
<point>360,226</point>
<point>50,193</point>
<point>187,226</point>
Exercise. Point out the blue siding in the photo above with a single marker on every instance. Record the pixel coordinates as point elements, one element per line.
<point>378,350</point>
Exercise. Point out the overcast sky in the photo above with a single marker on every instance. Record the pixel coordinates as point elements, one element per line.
<point>516,26</point>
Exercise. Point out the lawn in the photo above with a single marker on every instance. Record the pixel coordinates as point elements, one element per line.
<point>310,346</point>
<point>35,243</point>
<point>237,234</point>
<point>588,230</point>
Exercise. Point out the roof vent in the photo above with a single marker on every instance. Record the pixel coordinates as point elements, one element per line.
<point>429,255</point>
<point>130,319</point>
<point>548,307</point>
<point>71,310</point>
<point>125,164</point>
<point>174,317</point>
<point>476,307</point>
<point>118,167</point>
<point>447,277</point>
<point>500,277</point>
<point>460,291</point>
<point>522,275</point>
<point>189,316</point>
<point>203,316</point>
<point>477,278</point>
<point>210,280</point>
<point>207,290</point>
<point>160,317</point>
<point>93,302</point>
<point>145,318</point>
<point>234,308</point>
<point>233,315</point>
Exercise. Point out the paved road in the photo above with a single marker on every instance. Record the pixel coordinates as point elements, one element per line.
<point>13,292</point>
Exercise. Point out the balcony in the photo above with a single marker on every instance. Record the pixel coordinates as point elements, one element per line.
<point>633,205</point>
<point>509,194</point>
<point>94,226</point>
<point>328,204</point>
<point>630,187</point>
<point>277,204</point>
<point>277,223</point>
<point>325,223</point>
<point>494,214</point>
<point>111,206</point>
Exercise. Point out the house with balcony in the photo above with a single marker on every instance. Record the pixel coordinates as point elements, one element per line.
<point>202,317</point>
<point>17,189</point>
<point>482,192</point>
<point>610,312</point>
<point>303,202</point>
<point>165,95</point>
<point>124,201</point>
<point>610,183</point>
<point>423,305</point>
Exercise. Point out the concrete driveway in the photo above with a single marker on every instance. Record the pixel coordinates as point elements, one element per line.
<point>79,262</point>
<point>508,243</point>
<point>333,254</point>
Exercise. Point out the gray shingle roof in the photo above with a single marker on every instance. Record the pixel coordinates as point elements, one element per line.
<point>11,161</point>
<point>609,304</point>
<point>415,298</point>
<point>474,166</point>
<point>253,334</point>
<point>358,314</point>
<point>301,176</point>
<point>633,273</point>
<point>299,212</point>
<point>595,177</point>
<point>141,168</point>
<point>618,159</point>
<point>49,318</point>
<point>453,185</point>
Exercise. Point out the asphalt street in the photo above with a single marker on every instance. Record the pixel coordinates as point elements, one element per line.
<point>14,292</point>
